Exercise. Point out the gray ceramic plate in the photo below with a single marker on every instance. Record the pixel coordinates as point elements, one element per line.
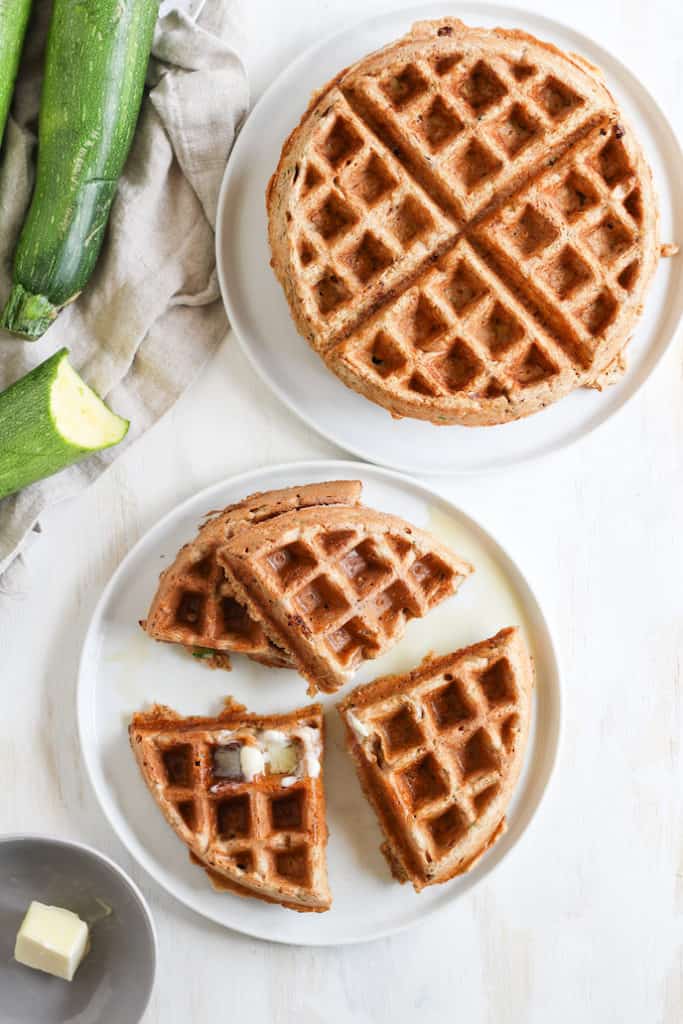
<point>114,982</point>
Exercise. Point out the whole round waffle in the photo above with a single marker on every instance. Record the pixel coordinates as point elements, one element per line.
<point>464,225</point>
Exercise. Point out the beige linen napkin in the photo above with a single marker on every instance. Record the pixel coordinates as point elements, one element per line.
<point>152,313</point>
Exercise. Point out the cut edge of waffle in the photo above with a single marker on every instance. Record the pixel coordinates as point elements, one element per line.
<point>438,752</point>
<point>257,832</point>
<point>521,120</point>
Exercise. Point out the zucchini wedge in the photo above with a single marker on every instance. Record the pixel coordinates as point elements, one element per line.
<point>95,67</point>
<point>50,419</point>
<point>13,21</point>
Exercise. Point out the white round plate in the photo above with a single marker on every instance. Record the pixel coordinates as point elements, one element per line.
<point>122,670</point>
<point>259,314</point>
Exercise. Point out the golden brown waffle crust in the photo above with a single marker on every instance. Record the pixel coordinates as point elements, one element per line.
<point>247,561</point>
<point>412,857</point>
<point>262,505</point>
<point>154,729</point>
<point>222,884</point>
<point>218,527</point>
<point>234,715</point>
<point>474,386</point>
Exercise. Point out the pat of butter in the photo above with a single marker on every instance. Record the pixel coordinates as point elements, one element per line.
<point>283,760</point>
<point>281,753</point>
<point>52,940</point>
<point>252,762</point>
<point>359,728</point>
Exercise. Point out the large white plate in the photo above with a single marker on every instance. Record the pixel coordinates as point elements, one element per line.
<point>122,669</point>
<point>259,314</point>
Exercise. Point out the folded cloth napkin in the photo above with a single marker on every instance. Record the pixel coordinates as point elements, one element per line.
<point>151,314</point>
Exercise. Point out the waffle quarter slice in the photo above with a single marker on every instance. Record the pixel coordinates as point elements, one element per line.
<point>438,753</point>
<point>575,243</point>
<point>245,794</point>
<point>473,110</point>
<point>337,585</point>
<point>194,604</point>
<point>464,225</point>
<point>350,226</point>
<point>458,346</point>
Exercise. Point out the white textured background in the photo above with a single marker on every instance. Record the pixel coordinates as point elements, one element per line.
<point>584,921</point>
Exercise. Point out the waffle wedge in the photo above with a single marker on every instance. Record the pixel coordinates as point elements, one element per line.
<point>464,225</point>
<point>336,585</point>
<point>256,820</point>
<point>438,753</point>
<point>195,606</point>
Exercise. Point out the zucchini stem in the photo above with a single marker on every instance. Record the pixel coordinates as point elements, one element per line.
<point>26,314</point>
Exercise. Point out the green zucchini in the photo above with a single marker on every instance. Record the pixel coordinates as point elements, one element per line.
<point>50,419</point>
<point>95,67</point>
<point>13,21</point>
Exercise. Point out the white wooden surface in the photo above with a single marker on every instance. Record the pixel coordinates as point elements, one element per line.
<point>584,921</point>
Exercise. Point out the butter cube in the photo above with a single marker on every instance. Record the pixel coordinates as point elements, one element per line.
<point>252,762</point>
<point>283,759</point>
<point>52,940</point>
<point>281,754</point>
